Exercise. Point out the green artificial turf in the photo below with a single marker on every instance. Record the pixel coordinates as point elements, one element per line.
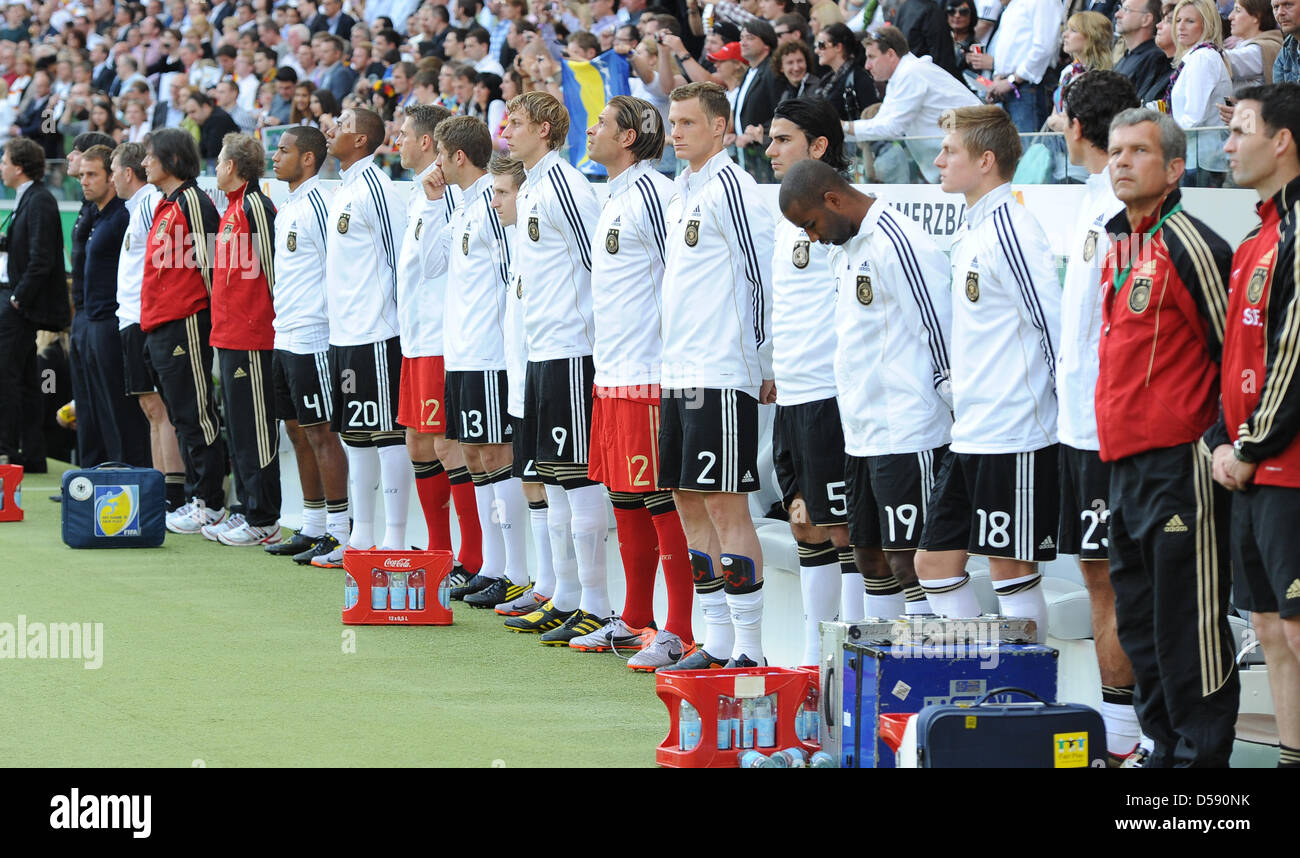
<point>234,658</point>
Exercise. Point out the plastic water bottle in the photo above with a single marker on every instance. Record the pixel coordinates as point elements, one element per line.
<point>822,760</point>
<point>444,593</point>
<point>807,721</point>
<point>724,723</point>
<point>378,590</point>
<point>755,760</point>
<point>790,758</point>
<point>397,591</point>
<point>351,593</point>
<point>415,591</point>
<point>688,727</point>
<point>765,721</point>
<point>744,721</point>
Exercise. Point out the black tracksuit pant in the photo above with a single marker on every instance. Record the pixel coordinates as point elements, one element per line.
<point>248,394</point>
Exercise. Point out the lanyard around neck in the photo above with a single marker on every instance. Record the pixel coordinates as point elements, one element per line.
<point>1128,269</point>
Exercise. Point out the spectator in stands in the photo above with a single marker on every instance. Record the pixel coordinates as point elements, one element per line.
<point>137,121</point>
<point>281,107</point>
<point>1200,83</point>
<point>324,109</point>
<point>961,26</point>
<point>792,62</point>
<point>463,86</point>
<point>334,75</point>
<point>334,20</point>
<point>487,104</point>
<point>792,28</point>
<point>824,14</point>
<point>1255,43</point>
<point>1143,62</point>
<point>1286,68</point>
<point>918,93</point>
<point>103,118</point>
<point>1023,47</point>
<point>1165,36</point>
<point>730,70</point>
<point>924,25</point>
<point>477,42</point>
<point>213,122</point>
<point>425,87</point>
<point>849,87</point>
<point>227,98</point>
<point>300,114</point>
<point>1088,42</point>
<point>36,121</point>
<point>756,99</point>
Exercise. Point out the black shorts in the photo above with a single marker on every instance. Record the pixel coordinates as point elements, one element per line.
<point>889,497</point>
<point>808,454</point>
<point>475,405</point>
<point>364,383</point>
<point>708,440</point>
<point>996,505</point>
<point>557,409</point>
<point>523,465</point>
<point>1266,550</point>
<point>1085,504</point>
<point>302,387</point>
<point>136,369</point>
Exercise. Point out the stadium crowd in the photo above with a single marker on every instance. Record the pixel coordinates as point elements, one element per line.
<point>929,407</point>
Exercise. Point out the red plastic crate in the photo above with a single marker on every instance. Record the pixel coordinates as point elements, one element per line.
<point>815,677</point>
<point>360,564</point>
<point>702,688</point>
<point>11,508</point>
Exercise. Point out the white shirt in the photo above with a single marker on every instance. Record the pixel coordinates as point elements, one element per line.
<point>1003,374</point>
<point>1247,62</point>
<point>918,93</point>
<point>302,323</point>
<point>516,342</point>
<point>557,208</point>
<point>366,217</point>
<point>130,262</point>
<point>627,283</point>
<point>803,317</point>
<point>1077,361</point>
<point>487,64</point>
<point>475,255</point>
<point>1201,87</point>
<point>718,287</point>
<point>1027,39</point>
<point>419,296</point>
<point>893,319</point>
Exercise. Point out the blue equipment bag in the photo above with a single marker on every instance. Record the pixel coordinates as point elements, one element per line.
<point>114,506</point>
<point>1038,735</point>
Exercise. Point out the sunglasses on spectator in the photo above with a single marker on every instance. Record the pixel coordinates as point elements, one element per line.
<point>821,46</point>
<point>960,11</point>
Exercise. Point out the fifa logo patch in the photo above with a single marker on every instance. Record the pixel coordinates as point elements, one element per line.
<point>865,295</point>
<point>291,241</point>
<point>1139,296</point>
<point>611,242</point>
<point>1255,291</point>
<point>972,286</point>
<point>534,229</point>
<point>117,510</point>
<point>343,223</point>
<point>418,223</point>
<point>1090,246</point>
<point>800,255</point>
<point>692,233</point>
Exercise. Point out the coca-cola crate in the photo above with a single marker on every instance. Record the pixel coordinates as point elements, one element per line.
<point>11,492</point>
<point>703,688</point>
<point>362,565</point>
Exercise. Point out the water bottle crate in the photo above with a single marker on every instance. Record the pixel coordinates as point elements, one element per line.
<point>11,492</point>
<point>361,567</point>
<point>812,744</point>
<point>702,689</point>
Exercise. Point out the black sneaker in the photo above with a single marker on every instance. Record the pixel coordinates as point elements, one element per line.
<point>492,595</point>
<point>578,624</point>
<point>745,661</point>
<point>295,544</point>
<point>459,576</point>
<point>323,545</point>
<point>476,584</point>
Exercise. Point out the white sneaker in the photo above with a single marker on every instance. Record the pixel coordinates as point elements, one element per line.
<point>199,517</point>
<point>214,531</point>
<point>247,534</point>
<point>182,511</point>
<point>614,635</point>
<point>666,649</point>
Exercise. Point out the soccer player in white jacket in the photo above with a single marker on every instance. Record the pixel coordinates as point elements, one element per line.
<point>717,368</point>
<point>556,210</point>
<point>365,223</point>
<point>996,493</point>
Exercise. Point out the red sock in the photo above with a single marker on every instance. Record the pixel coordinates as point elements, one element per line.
<point>638,546</point>
<point>471,536</point>
<point>434,489</point>
<point>677,573</point>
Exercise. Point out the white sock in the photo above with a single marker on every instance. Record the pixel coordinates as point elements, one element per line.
<point>1122,730</point>
<point>336,525</point>
<point>747,620</point>
<point>1027,602</point>
<point>313,522</point>
<point>819,603</point>
<point>398,476</point>
<point>917,603</point>
<point>494,549</point>
<point>590,529</point>
<point>719,634</point>
<point>544,584</point>
<point>568,590</point>
<point>512,510</point>
<point>957,602</point>
<point>885,607</point>
<point>363,476</point>
<point>851,601</point>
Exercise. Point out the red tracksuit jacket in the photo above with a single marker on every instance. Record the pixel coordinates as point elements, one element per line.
<point>1161,333</point>
<point>178,262</point>
<point>243,273</point>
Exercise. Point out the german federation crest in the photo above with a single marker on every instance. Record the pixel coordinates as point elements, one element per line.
<point>161,231</point>
<point>1139,297</point>
<point>291,240</point>
<point>519,288</point>
<point>1255,290</point>
<point>865,295</point>
<point>464,244</point>
<point>800,259</point>
<point>611,242</point>
<point>128,241</point>
<point>534,230</point>
<point>972,286</point>
<point>1090,246</point>
<point>419,222</point>
<point>692,233</point>
<point>226,232</point>
<point>343,223</point>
